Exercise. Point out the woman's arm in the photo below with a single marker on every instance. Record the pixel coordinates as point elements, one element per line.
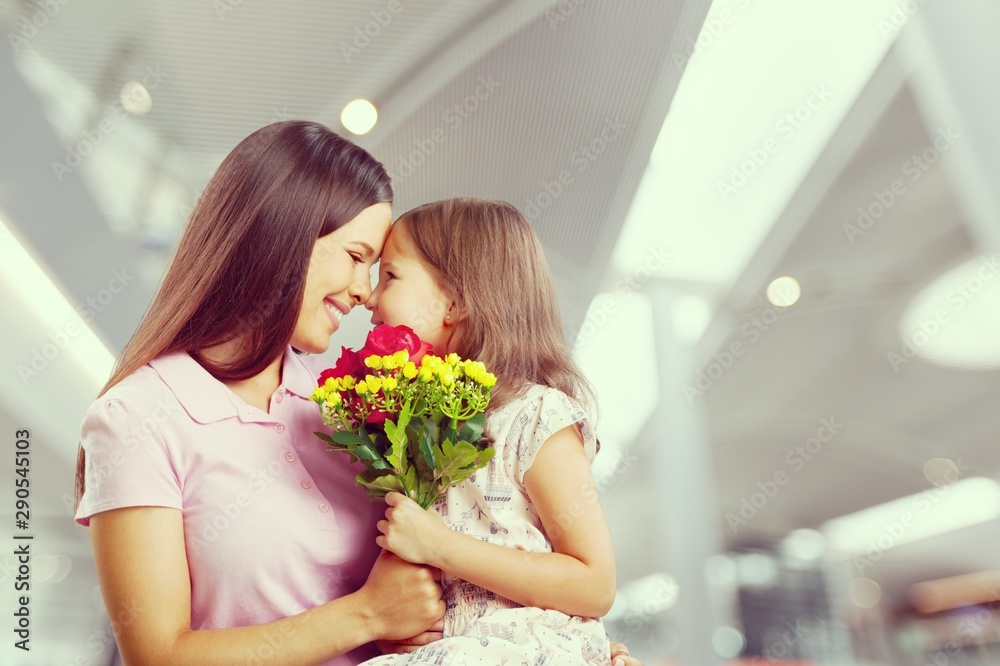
<point>143,571</point>
<point>578,578</point>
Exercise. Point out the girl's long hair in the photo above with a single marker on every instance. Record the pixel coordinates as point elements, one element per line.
<point>485,254</point>
<point>240,268</point>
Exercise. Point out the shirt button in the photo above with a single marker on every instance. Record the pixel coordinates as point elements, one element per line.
<point>281,396</point>
<point>306,484</point>
<point>324,508</point>
<point>290,457</point>
<point>279,428</point>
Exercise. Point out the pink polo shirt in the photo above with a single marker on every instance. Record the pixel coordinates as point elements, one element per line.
<point>274,523</point>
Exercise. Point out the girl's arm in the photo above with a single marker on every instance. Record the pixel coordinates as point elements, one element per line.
<point>143,571</point>
<point>578,578</point>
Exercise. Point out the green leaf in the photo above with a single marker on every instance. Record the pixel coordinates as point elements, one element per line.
<point>458,463</point>
<point>472,430</point>
<point>383,484</point>
<point>350,438</point>
<point>404,416</point>
<point>417,456</point>
<point>396,432</point>
<point>427,440</point>
<point>410,481</point>
<point>370,457</point>
<point>326,438</point>
<point>369,475</point>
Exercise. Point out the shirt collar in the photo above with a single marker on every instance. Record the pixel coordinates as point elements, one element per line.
<point>296,377</point>
<point>206,399</point>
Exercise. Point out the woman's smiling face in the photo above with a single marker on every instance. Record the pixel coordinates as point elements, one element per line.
<point>339,276</point>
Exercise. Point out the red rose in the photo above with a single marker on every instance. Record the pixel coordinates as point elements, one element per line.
<point>385,340</point>
<point>347,364</point>
<point>378,417</point>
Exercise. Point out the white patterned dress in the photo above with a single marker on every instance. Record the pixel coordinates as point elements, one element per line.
<point>482,627</point>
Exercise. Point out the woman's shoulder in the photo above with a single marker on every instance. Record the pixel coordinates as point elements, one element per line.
<point>136,395</point>
<point>142,385</point>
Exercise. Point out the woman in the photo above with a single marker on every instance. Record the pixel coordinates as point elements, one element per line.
<point>222,531</point>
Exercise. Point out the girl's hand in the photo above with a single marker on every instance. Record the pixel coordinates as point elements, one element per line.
<point>415,534</point>
<point>621,657</point>
<point>434,633</point>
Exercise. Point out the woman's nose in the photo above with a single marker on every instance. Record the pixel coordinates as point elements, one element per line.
<point>361,290</point>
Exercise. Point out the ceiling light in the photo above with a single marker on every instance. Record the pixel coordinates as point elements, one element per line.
<point>135,98</point>
<point>756,569</point>
<point>864,592</point>
<point>717,131</point>
<point>803,545</point>
<point>933,512</point>
<point>691,317</point>
<point>941,471</point>
<point>652,594</point>
<point>955,320</point>
<point>728,642</point>
<point>22,275</point>
<point>784,291</point>
<point>359,116</point>
<point>933,596</point>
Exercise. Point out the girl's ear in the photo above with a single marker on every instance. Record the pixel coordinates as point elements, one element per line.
<point>455,313</point>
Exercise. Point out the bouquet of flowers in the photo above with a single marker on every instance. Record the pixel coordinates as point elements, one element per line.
<point>413,419</point>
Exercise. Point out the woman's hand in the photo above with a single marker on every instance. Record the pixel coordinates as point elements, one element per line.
<point>414,534</point>
<point>401,599</point>
<point>434,633</point>
<point>621,657</point>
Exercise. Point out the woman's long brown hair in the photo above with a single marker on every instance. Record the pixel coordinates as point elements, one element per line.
<point>240,269</point>
<point>485,254</point>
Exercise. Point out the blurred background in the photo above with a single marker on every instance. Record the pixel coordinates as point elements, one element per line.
<point>773,225</point>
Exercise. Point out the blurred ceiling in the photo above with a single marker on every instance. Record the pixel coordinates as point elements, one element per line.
<point>496,99</point>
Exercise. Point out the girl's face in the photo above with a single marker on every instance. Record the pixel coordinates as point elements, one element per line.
<point>338,277</point>
<point>408,294</point>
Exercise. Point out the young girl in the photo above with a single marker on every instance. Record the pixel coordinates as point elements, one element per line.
<point>524,547</point>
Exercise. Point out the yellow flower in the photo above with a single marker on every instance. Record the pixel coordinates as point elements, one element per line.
<point>488,380</point>
<point>374,383</point>
<point>347,382</point>
<point>425,375</point>
<point>374,362</point>
<point>331,384</point>
<point>318,395</point>
<point>361,387</point>
<point>447,379</point>
<point>390,362</point>
<point>409,370</point>
<point>452,359</point>
<point>402,356</point>
<point>389,384</point>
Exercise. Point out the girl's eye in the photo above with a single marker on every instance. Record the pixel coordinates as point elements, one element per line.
<point>389,275</point>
